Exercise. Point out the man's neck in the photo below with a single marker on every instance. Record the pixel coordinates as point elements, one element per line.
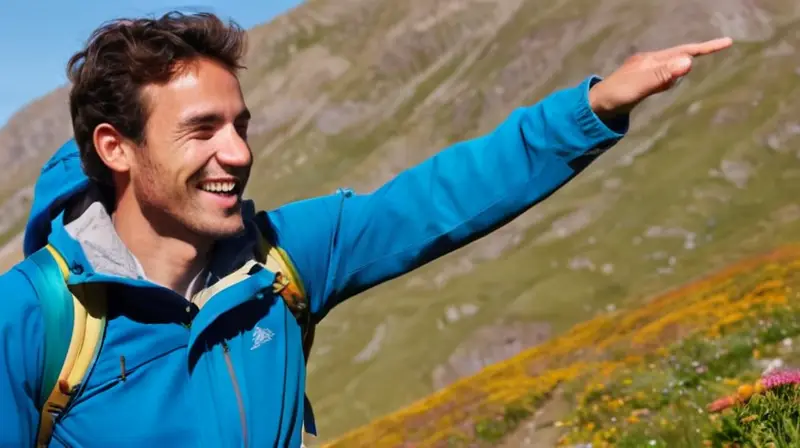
<point>166,260</point>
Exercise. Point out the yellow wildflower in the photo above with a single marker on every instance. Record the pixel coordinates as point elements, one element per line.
<point>745,391</point>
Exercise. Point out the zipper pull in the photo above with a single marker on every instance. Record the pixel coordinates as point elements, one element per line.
<point>122,368</point>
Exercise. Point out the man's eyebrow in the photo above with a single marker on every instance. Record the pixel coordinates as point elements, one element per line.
<point>203,119</point>
<point>209,119</point>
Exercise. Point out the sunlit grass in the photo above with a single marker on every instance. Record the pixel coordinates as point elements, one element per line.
<point>642,377</point>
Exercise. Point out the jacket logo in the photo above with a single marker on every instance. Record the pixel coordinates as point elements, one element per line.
<point>261,336</point>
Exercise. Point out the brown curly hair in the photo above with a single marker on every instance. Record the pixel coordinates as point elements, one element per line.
<point>124,55</point>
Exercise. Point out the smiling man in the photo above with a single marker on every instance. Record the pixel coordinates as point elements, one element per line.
<point>200,340</point>
<point>178,179</point>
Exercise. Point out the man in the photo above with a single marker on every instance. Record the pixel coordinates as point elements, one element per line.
<point>188,356</point>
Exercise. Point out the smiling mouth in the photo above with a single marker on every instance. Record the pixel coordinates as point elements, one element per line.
<point>229,187</point>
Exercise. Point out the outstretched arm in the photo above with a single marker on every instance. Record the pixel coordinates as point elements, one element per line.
<point>345,243</point>
<point>453,198</point>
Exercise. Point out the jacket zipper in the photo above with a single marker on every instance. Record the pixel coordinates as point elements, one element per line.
<point>239,401</point>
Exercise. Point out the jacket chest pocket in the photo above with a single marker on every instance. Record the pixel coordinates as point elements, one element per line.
<point>129,346</point>
<point>139,367</point>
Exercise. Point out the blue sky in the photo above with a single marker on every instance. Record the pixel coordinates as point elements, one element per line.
<point>37,37</point>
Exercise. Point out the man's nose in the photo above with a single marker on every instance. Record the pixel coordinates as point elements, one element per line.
<point>234,150</point>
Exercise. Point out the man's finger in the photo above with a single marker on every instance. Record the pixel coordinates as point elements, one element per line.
<point>696,49</point>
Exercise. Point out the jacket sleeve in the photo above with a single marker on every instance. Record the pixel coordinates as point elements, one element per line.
<point>345,243</point>
<point>21,360</point>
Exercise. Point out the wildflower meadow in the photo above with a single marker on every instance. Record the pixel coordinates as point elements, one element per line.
<point>708,364</point>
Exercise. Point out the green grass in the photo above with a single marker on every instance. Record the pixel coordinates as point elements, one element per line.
<point>642,374</point>
<point>493,430</point>
<point>769,421</point>
<point>662,401</point>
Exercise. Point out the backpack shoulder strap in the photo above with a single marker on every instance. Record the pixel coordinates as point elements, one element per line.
<point>290,287</point>
<point>72,334</point>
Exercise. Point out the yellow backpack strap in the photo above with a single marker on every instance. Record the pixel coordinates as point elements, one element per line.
<point>290,287</point>
<point>80,321</point>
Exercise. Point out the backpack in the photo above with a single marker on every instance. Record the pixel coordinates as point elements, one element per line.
<point>74,328</point>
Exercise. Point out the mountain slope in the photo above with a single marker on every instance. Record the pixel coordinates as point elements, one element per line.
<point>348,93</point>
<point>631,378</point>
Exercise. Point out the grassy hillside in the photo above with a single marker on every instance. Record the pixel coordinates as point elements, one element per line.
<point>640,377</point>
<point>708,175</point>
<point>347,93</point>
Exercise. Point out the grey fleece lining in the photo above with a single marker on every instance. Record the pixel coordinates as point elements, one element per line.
<point>102,246</point>
<point>107,254</point>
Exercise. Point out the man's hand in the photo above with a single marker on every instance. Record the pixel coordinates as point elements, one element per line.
<point>645,74</point>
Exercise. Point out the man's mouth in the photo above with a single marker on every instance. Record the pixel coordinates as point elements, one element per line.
<point>223,187</point>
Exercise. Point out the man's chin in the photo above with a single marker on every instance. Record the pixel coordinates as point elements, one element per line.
<point>226,227</point>
<point>212,222</point>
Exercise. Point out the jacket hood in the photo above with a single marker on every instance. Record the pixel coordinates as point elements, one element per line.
<point>61,179</point>
<point>67,209</point>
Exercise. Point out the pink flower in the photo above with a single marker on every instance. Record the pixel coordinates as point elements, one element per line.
<point>780,378</point>
<point>767,382</point>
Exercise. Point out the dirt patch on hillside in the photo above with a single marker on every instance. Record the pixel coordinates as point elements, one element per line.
<point>489,345</point>
<point>540,431</point>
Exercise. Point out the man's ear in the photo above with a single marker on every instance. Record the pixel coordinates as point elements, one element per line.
<point>113,149</point>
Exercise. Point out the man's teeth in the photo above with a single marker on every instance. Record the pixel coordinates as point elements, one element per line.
<point>219,187</point>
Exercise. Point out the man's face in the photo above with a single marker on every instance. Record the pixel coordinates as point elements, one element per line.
<point>195,162</point>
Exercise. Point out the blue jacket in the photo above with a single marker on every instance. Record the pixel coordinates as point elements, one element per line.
<point>178,388</point>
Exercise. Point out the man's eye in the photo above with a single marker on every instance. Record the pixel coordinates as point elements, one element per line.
<point>203,133</point>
